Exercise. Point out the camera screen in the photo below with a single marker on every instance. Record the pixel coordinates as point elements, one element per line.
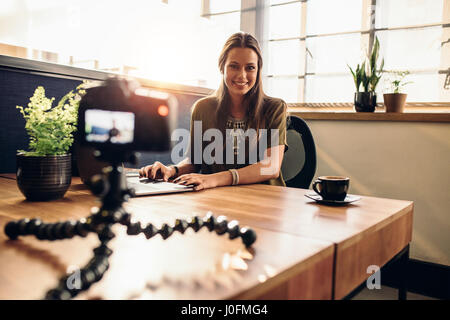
<point>104,126</point>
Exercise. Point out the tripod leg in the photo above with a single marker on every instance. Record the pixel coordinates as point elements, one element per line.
<point>47,231</point>
<point>81,280</point>
<point>70,286</point>
<point>220,225</point>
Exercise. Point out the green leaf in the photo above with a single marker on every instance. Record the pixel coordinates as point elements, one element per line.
<point>398,80</point>
<point>356,79</point>
<point>50,129</point>
<point>374,73</point>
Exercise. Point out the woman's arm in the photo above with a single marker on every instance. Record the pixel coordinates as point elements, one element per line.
<point>184,167</point>
<point>269,168</point>
<point>160,171</point>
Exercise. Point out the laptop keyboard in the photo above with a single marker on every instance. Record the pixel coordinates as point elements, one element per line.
<point>154,185</point>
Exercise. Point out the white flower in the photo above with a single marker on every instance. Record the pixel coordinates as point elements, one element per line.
<point>368,71</point>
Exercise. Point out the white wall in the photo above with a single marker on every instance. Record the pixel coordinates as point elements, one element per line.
<point>398,160</point>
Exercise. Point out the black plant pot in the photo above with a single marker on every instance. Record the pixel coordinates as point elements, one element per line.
<point>365,101</point>
<point>43,178</point>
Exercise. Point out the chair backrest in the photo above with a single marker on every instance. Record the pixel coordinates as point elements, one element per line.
<point>299,161</point>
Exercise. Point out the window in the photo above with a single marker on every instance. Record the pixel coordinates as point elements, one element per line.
<point>400,13</point>
<point>220,6</point>
<point>223,19</point>
<point>414,40</point>
<point>290,13</point>
<point>160,40</point>
<point>331,16</point>
<point>308,58</point>
<point>307,44</point>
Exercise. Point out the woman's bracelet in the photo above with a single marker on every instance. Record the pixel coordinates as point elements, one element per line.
<point>235,177</point>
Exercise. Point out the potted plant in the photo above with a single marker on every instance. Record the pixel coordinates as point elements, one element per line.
<point>368,75</point>
<point>395,101</point>
<point>44,172</point>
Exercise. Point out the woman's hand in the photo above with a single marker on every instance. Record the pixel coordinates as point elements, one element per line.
<point>157,171</point>
<point>200,181</point>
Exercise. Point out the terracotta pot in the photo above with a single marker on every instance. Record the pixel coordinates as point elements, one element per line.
<point>394,102</point>
<point>43,178</point>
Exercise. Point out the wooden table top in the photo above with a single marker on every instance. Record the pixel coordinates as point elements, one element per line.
<point>367,232</point>
<point>190,266</point>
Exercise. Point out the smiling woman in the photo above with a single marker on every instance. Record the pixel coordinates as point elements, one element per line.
<point>240,75</point>
<point>236,157</point>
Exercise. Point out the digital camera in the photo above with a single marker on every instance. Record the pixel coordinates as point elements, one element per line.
<point>119,116</point>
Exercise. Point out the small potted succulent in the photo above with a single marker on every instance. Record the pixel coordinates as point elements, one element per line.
<point>44,172</point>
<point>367,75</point>
<point>395,101</point>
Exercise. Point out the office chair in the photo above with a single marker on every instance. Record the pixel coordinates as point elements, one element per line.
<point>299,162</point>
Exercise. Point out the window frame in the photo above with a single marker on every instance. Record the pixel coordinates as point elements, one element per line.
<point>367,32</point>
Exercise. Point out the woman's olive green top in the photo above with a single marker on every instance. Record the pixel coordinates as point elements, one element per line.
<point>213,155</point>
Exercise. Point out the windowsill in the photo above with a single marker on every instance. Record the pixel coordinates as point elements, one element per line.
<point>413,112</point>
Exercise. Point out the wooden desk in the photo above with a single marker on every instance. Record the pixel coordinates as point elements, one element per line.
<point>368,232</point>
<point>191,266</point>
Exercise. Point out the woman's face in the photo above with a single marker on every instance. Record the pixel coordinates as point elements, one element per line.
<point>240,71</point>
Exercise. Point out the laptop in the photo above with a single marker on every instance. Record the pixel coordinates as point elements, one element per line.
<point>88,166</point>
<point>147,187</point>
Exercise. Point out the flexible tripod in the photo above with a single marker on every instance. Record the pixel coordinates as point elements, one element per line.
<point>112,189</point>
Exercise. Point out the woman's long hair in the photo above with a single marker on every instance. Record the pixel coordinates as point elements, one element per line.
<point>253,99</point>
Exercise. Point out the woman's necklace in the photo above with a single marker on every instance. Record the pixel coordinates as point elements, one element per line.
<point>237,127</point>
